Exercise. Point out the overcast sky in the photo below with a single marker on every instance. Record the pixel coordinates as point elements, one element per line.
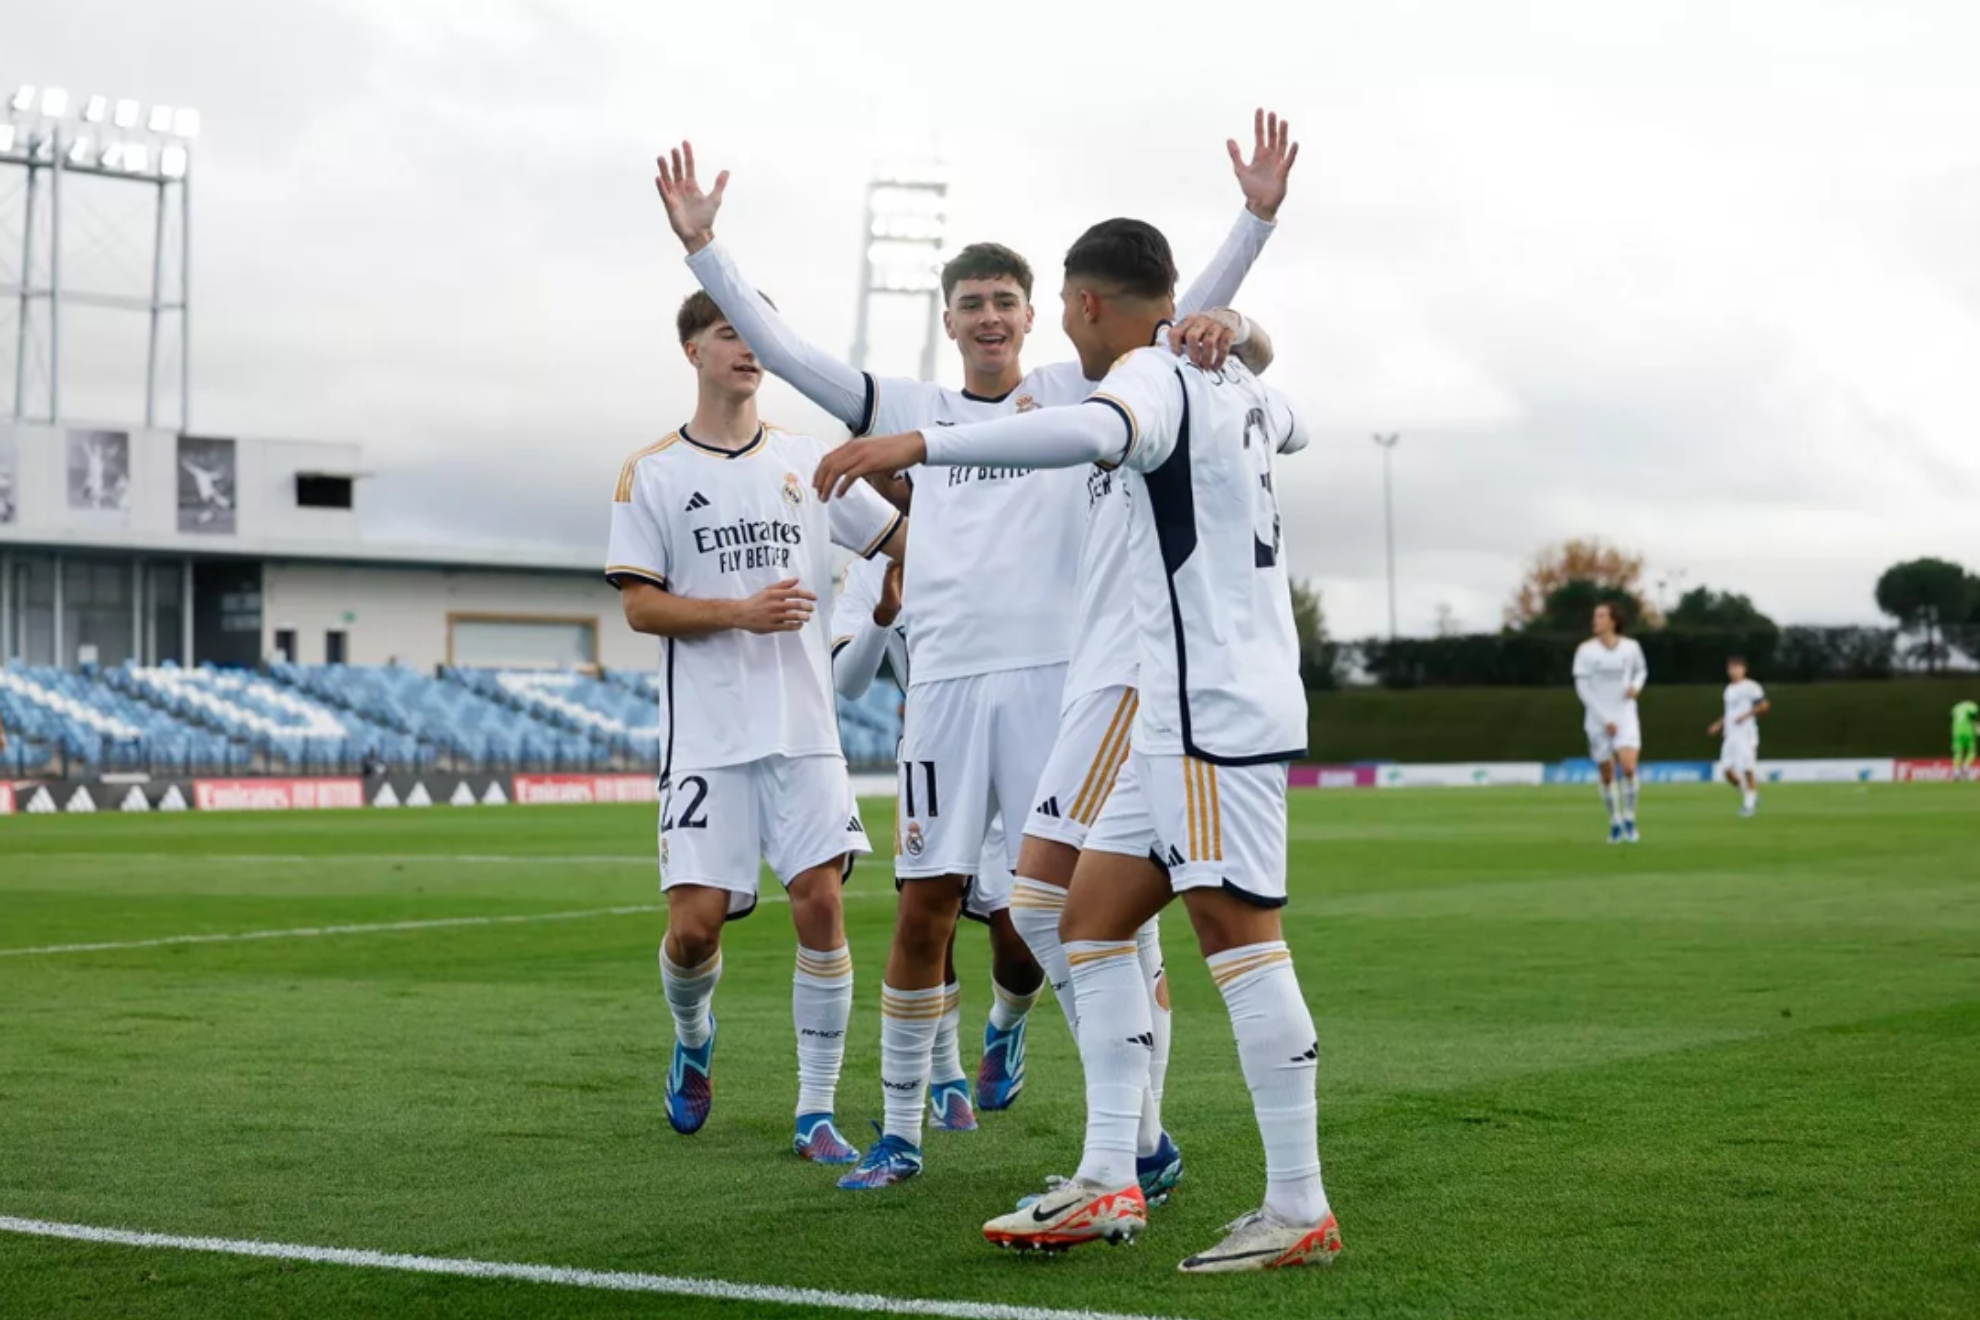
<point>1701,278</point>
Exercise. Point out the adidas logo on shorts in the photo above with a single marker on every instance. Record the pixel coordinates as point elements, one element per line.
<point>1049,807</point>
<point>697,501</point>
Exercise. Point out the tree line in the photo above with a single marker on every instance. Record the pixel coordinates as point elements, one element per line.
<point>1934,605</point>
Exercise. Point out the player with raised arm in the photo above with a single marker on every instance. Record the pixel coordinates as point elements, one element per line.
<point>1199,808</point>
<point>1739,731</point>
<point>718,547</point>
<point>865,631</point>
<point>1609,674</point>
<point>989,668</point>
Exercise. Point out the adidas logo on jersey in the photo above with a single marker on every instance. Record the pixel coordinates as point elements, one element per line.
<point>1049,807</point>
<point>697,501</point>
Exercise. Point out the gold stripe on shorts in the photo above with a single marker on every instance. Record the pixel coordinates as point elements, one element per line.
<point>1106,761</point>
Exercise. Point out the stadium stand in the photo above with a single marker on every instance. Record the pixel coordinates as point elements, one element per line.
<point>58,721</point>
<point>337,718</point>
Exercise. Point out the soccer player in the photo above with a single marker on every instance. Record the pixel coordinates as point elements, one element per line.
<point>1199,808</point>
<point>1609,674</point>
<point>1739,728</point>
<point>989,666</point>
<point>719,548</point>
<point>1965,716</point>
<point>866,630</point>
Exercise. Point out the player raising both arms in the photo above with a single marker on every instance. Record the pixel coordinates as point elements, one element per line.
<point>719,548</point>
<point>1609,673</point>
<point>866,629</point>
<point>1199,809</point>
<point>988,667</point>
<point>1739,731</point>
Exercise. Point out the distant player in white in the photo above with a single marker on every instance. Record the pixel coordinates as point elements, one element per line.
<point>1199,809</point>
<point>988,665</point>
<point>1609,674</point>
<point>719,548</point>
<point>1739,731</point>
<point>866,630</point>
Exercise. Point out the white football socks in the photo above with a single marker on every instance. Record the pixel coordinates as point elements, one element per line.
<point>690,990</point>
<point>1148,946</point>
<point>1116,1040</point>
<point>1629,799</point>
<point>1612,800</point>
<point>821,1010</point>
<point>945,1064</point>
<point>1009,1008</point>
<point>908,1021</point>
<point>1280,1056</point>
<point>1035,910</point>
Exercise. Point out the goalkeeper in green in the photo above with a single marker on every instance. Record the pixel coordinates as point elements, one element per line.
<point>1964,716</point>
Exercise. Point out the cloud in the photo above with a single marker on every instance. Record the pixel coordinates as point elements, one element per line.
<point>1696,278</point>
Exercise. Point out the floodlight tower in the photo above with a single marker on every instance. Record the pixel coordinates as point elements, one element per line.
<point>51,137</point>
<point>901,251</point>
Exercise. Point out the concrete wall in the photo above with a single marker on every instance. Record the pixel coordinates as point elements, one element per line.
<point>402,613</point>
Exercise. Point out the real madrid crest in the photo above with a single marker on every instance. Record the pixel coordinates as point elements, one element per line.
<point>793,492</point>
<point>914,842</point>
<point>1025,403</point>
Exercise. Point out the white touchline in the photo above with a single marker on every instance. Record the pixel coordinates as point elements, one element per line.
<point>315,932</point>
<point>609,1280</point>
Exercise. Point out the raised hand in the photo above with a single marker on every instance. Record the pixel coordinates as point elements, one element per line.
<point>781,607</point>
<point>1207,337</point>
<point>838,470</point>
<point>1263,177</point>
<point>690,210</point>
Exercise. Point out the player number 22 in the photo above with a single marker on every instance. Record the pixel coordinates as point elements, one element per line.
<point>697,786</point>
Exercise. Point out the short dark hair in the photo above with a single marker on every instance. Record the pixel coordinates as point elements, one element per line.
<point>1131,255</point>
<point>1736,660</point>
<point>1618,612</point>
<point>985,261</point>
<point>698,312</point>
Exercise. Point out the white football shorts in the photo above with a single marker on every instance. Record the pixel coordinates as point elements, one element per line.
<point>1087,756</point>
<point>1210,826</point>
<point>1739,753</point>
<point>1628,736</point>
<point>720,827</point>
<point>972,746</point>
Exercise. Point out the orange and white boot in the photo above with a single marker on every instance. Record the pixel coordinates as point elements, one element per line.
<point>1071,1212</point>
<point>1262,1241</point>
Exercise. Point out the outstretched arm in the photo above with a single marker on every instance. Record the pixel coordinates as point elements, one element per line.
<point>1050,437</point>
<point>831,384</point>
<point>1263,180</point>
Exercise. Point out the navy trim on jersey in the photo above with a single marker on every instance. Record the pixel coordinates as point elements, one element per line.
<point>892,527</point>
<point>1172,503</point>
<point>869,412</point>
<point>1155,339</point>
<point>755,443</point>
<point>979,398</point>
<point>667,755</point>
<point>1126,421</point>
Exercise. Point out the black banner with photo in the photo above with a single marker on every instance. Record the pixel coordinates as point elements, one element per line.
<point>208,489</point>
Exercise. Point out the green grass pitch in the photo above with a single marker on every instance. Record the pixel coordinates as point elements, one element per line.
<point>1733,1071</point>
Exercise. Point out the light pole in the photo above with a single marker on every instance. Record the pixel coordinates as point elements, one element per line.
<point>1387,444</point>
<point>907,214</point>
<point>46,132</point>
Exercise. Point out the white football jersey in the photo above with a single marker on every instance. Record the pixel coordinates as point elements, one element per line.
<point>1205,564</point>
<point>1606,674</point>
<point>993,564</point>
<point>1741,698</point>
<point>714,525</point>
<point>852,614</point>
